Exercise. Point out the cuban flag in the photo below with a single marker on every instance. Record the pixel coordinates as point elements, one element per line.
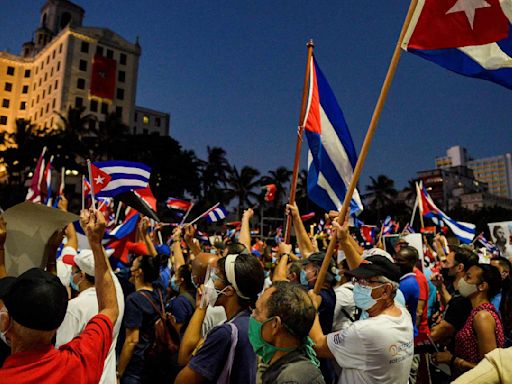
<point>332,156</point>
<point>182,205</point>
<point>489,246</point>
<point>388,226</point>
<point>470,37</point>
<point>216,214</point>
<point>110,178</point>
<point>465,232</point>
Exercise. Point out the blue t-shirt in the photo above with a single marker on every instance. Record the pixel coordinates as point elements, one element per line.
<point>139,313</point>
<point>165,276</point>
<point>209,360</point>
<point>411,290</point>
<point>182,309</point>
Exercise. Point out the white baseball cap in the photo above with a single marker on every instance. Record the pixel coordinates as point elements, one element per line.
<point>84,260</point>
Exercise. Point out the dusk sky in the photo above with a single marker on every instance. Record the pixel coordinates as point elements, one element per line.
<point>231,73</point>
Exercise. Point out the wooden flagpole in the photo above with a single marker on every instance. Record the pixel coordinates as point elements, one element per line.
<point>366,144</point>
<point>293,184</point>
<point>91,181</point>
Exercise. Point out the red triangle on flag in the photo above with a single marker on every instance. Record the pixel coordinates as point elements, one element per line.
<point>99,178</point>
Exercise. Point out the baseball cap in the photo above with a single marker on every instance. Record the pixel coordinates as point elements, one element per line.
<point>37,300</point>
<point>377,252</point>
<point>84,260</point>
<point>376,265</point>
<point>317,259</point>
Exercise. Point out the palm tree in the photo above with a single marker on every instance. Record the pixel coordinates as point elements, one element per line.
<point>75,129</point>
<point>214,174</point>
<point>381,194</point>
<point>241,186</point>
<point>110,131</point>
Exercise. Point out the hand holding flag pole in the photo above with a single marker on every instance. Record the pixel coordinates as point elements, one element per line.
<point>366,145</point>
<point>92,184</point>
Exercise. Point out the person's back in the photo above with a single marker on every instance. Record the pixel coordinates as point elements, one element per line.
<point>411,290</point>
<point>294,367</point>
<point>380,349</point>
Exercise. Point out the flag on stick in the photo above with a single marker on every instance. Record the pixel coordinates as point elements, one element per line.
<point>216,214</point>
<point>110,178</point>
<point>332,156</point>
<point>471,38</point>
<point>34,191</point>
<point>182,205</point>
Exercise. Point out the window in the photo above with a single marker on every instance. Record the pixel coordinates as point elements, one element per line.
<point>83,65</point>
<point>121,75</point>
<point>94,106</point>
<point>58,66</point>
<point>145,119</point>
<point>8,87</point>
<point>35,116</point>
<point>24,89</point>
<point>79,102</point>
<point>47,107</point>
<point>48,59</point>
<point>5,103</point>
<point>37,99</point>
<point>84,47</point>
<point>99,50</point>
<point>56,84</point>
<point>10,71</point>
<point>60,48</point>
<point>110,53</point>
<point>104,108</point>
<point>27,72</point>
<point>44,93</point>
<point>37,70</point>
<point>157,122</point>
<point>122,59</point>
<point>23,105</point>
<point>51,72</point>
<point>53,103</point>
<point>49,89</point>
<point>80,83</point>
<point>3,120</point>
<point>120,94</point>
<point>32,103</point>
<point>119,111</point>
<point>34,87</point>
<point>40,81</point>
<point>46,76</point>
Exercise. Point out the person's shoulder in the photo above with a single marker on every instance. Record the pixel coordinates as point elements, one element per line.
<point>219,332</point>
<point>299,371</point>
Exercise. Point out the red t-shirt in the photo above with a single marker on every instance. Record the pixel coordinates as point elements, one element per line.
<point>423,328</point>
<point>80,361</point>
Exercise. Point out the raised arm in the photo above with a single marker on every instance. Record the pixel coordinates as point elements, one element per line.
<point>93,223</point>
<point>144,235</point>
<point>305,245</point>
<point>245,230</point>
<point>346,244</point>
<point>190,231</point>
<point>192,335</point>
<point>176,250</point>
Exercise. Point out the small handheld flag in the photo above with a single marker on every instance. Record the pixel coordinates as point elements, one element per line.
<point>182,205</point>
<point>116,176</point>
<point>270,193</point>
<point>216,214</point>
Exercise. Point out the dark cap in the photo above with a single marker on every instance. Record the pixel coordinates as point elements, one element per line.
<point>5,284</point>
<point>37,300</point>
<point>317,259</point>
<point>376,266</point>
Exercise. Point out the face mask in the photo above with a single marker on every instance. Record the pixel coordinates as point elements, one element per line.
<point>263,349</point>
<point>303,278</point>
<point>212,293</point>
<point>267,274</point>
<point>363,296</point>
<point>337,277</point>
<point>174,286</point>
<point>72,283</point>
<point>466,289</point>
<point>274,260</point>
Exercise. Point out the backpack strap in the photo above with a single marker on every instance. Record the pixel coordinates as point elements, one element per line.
<point>225,375</point>
<point>148,298</point>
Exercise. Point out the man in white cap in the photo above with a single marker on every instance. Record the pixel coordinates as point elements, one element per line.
<point>85,306</point>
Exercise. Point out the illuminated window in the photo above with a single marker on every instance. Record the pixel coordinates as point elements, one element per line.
<point>145,119</point>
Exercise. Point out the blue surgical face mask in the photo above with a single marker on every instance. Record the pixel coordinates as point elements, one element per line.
<point>72,283</point>
<point>274,260</point>
<point>304,279</point>
<point>363,296</point>
<point>267,274</point>
<point>174,285</point>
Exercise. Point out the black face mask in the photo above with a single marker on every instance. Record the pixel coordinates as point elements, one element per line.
<point>445,273</point>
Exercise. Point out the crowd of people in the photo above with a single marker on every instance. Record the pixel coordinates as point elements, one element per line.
<point>246,309</point>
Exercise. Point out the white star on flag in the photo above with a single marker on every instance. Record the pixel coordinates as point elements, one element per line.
<point>99,180</point>
<point>469,7</point>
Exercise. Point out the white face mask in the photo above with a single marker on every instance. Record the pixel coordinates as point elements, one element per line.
<point>212,293</point>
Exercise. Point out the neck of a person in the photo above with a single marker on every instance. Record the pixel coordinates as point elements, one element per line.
<point>478,299</point>
<point>141,284</point>
<point>384,307</point>
<point>285,341</point>
<point>85,285</point>
<point>232,308</point>
<point>32,344</point>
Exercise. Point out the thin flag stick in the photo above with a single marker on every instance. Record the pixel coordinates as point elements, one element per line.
<point>366,144</point>
<point>92,184</point>
<point>414,211</point>
<point>186,215</point>
<point>118,212</point>
<point>420,207</point>
<point>83,192</point>
<point>204,214</point>
<point>295,174</point>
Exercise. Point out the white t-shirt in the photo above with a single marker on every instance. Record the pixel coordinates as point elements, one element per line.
<point>375,350</point>
<point>80,310</point>
<point>214,316</point>
<point>344,299</point>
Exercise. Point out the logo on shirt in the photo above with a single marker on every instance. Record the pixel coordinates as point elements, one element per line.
<point>400,351</point>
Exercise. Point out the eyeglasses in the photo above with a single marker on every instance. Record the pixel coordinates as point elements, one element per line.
<point>365,282</point>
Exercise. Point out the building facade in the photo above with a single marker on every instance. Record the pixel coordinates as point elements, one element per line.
<point>495,171</point>
<point>70,65</point>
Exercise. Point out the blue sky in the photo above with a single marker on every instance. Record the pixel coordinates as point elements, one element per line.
<point>231,73</point>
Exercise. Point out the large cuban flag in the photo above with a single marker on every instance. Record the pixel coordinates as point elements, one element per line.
<point>110,178</point>
<point>470,37</point>
<point>332,156</point>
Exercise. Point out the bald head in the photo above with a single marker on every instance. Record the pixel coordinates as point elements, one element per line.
<point>200,265</point>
